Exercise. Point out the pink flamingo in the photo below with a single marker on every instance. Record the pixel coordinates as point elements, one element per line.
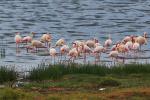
<point>18,39</point>
<point>97,51</point>
<point>46,38</point>
<point>37,44</point>
<point>64,50</point>
<point>90,43</point>
<point>28,39</point>
<point>86,49</point>
<point>53,53</point>
<point>127,39</point>
<point>60,42</point>
<point>129,45</point>
<point>141,40</point>
<point>108,42</point>
<point>73,53</point>
<point>114,54</point>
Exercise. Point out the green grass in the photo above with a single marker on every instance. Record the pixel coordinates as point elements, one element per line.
<point>93,82</point>
<point>7,74</point>
<point>44,72</point>
<point>15,94</point>
<point>84,87</point>
<point>115,94</point>
<point>79,82</point>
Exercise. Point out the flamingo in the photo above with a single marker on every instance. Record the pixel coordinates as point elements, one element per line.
<point>85,49</point>
<point>28,39</point>
<point>122,48</point>
<point>78,45</point>
<point>64,50</point>
<point>97,44</point>
<point>37,44</point>
<point>60,42</point>
<point>52,53</point>
<point>97,51</point>
<point>145,34</point>
<point>108,42</point>
<point>46,38</point>
<point>90,43</point>
<point>136,46</point>
<point>141,40</point>
<point>129,45</point>
<point>127,39</point>
<point>73,53</point>
<point>114,54</point>
<point>18,39</point>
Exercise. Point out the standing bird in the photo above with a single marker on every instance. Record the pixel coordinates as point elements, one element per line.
<point>97,51</point>
<point>37,44</point>
<point>122,48</point>
<point>129,45</point>
<point>136,46</point>
<point>73,53</point>
<point>145,34</point>
<point>90,43</point>
<point>46,38</point>
<point>28,39</point>
<point>141,40</point>
<point>85,49</point>
<point>18,39</point>
<point>64,50</point>
<point>114,55</point>
<point>108,42</point>
<point>127,39</point>
<point>52,53</point>
<point>60,42</point>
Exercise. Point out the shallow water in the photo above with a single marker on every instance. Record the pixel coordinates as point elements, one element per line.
<point>71,19</point>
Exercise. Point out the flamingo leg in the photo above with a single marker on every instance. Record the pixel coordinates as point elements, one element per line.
<point>60,57</point>
<point>84,57</point>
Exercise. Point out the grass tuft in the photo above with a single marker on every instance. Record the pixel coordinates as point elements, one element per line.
<point>46,72</point>
<point>7,74</point>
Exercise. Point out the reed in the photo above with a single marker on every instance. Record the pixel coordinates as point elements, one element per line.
<point>45,72</point>
<point>7,74</point>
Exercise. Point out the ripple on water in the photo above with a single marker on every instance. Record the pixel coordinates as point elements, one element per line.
<point>70,19</point>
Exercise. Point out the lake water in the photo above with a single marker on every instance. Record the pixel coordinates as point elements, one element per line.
<point>70,19</point>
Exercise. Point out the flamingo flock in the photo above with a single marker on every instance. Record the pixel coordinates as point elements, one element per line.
<point>83,48</point>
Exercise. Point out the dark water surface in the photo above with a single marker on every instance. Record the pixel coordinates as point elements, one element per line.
<point>71,19</point>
